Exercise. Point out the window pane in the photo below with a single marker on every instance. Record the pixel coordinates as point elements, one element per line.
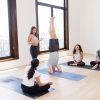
<point>4,29</point>
<point>44,14</point>
<point>53,2</point>
<point>59,25</point>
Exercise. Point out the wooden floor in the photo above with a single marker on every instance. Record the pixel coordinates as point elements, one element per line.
<point>85,89</point>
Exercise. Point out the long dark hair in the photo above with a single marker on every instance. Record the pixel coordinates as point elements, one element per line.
<point>31,31</point>
<point>80,48</point>
<point>34,64</point>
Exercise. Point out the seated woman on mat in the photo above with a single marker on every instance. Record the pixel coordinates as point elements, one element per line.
<point>31,83</point>
<point>96,63</point>
<point>77,57</point>
<point>53,48</point>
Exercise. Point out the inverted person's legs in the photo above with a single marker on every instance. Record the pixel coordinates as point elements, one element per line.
<point>52,31</point>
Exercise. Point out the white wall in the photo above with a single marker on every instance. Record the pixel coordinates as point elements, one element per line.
<point>84,24</point>
<point>25,19</point>
<point>74,23</point>
<point>90,25</point>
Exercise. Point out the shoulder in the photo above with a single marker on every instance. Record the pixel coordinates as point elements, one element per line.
<point>27,68</point>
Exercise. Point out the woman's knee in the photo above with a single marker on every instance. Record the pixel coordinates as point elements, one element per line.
<point>92,63</point>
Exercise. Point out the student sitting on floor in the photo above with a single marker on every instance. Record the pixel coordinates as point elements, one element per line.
<point>77,56</point>
<point>53,48</point>
<point>31,82</point>
<point>96,63</point>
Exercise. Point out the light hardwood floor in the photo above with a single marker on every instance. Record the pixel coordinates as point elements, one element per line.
<point>85,89</point>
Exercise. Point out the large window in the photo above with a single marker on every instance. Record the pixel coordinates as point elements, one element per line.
<point>4,29</point>
<point>46,9</point>
<point>8,30</point>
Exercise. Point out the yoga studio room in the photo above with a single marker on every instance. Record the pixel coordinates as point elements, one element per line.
<point>49,50</point>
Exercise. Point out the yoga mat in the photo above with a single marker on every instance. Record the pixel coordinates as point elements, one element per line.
<point>86,66</point>
<point>14,84</point>
<point>65,75</point>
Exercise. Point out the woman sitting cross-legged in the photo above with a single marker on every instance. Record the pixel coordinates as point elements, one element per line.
<point>96,63</point>
<point>77,57</point>
<point>31,82</point>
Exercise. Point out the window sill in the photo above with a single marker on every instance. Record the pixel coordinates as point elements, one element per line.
<point>8,59</point>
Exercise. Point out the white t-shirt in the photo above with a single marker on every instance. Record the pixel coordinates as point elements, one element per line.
<point>29,82</point>
<point>77,57</point>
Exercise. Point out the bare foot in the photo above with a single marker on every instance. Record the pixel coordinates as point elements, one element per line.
<point>52,19</point>
<point>94,67</point>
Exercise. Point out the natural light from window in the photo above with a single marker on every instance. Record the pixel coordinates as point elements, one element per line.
<point>4,29</point>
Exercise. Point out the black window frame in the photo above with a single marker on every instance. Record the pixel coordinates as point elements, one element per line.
<point>66,23</point>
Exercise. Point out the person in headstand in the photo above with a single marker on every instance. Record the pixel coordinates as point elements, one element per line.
<point>96,63</point>
<point>53,49</point>
<point>77,57</point>
<point>31,83</point>
<point>33,41</point>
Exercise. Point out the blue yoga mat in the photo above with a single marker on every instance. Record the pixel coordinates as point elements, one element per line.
<point>65,75</point>
<point>14,84</point>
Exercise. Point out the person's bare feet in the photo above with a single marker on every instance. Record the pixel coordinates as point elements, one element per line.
<point>94,67</point>
<point>52,19</point>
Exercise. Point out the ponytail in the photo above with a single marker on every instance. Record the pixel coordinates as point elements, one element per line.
<point>34,64</point>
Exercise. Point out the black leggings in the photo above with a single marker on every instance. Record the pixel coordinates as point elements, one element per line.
<point>93,63</point>
<point>35,89</point>
<point>79,64</point>
<point>34,50</point>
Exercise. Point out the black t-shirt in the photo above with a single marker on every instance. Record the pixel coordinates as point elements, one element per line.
<point>53,45</point>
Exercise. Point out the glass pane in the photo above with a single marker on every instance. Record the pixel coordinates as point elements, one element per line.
<point>44,14</point>
<point>59,25</point>
<point>4,29</point>
<point>53,2</point>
